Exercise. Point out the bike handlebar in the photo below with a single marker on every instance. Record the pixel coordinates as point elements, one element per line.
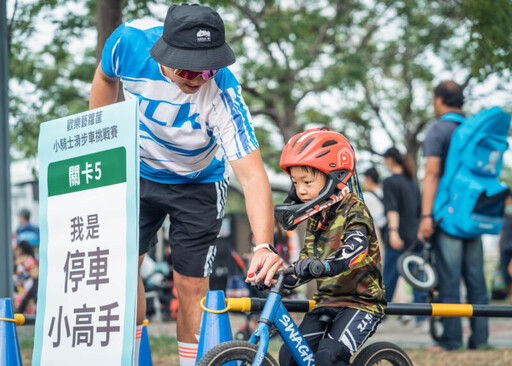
<point>316,268</point>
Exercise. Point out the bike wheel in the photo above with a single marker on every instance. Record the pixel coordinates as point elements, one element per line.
<point>382,353</point>
<point>420,274</point>
<point>436,327</point>
<point>234,351</point>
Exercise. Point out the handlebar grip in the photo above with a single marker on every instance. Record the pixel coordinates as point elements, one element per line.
<point>316,268</point>
<point>288,271</point>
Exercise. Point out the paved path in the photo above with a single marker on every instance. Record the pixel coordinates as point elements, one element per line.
<point>391,330</point>
<point>408,335</point>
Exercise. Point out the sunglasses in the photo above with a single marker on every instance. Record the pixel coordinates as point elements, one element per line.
<point>192,75</point>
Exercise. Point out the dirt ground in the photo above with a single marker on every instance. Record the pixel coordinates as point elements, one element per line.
<point>419,357</point>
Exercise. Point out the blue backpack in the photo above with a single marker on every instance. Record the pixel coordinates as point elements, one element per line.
<point>470,198</point>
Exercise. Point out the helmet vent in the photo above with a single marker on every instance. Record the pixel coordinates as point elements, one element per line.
<point>323,153</point>
<point>306,144</point>
<point>329,143</point>
<point>332,165</point>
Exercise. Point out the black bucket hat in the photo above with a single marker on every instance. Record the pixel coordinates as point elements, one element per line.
<point>193,39</point>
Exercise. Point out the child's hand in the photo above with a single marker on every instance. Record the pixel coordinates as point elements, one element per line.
<point>309,268</point>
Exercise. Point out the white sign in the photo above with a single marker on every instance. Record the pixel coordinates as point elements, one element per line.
<point>88,187</point>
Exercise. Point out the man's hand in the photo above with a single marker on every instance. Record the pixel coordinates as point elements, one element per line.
<point>426,229</point>
<point>395,241</point>
<point>267,263</point>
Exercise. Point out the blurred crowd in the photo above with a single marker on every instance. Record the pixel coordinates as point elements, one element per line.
<point>26,264</point>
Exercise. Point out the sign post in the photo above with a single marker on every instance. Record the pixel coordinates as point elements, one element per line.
<point>88,182</point>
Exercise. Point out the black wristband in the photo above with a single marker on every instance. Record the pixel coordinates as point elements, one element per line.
<point>393,229</point>
<point>426,216</point>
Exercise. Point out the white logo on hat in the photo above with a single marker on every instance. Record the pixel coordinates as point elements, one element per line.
<point>203,36</point>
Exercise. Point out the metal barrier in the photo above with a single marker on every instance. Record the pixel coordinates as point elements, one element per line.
<point>246,304</point>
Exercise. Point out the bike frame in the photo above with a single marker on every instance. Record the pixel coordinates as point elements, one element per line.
<point>275,313</point>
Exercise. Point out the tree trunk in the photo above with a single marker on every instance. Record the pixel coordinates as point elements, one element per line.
<point>288,124</point>
<point>109,17</point>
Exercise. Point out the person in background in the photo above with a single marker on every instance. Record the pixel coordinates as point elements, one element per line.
<point>374,199</point>
<point>281,242</point>
<point>402,204</point>
<point>26,276</point>
<point>505,245</point>
<point>26,231</point>
<point>456,258</point>
<point>193,126</point>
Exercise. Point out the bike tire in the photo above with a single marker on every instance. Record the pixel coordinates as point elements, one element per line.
<point>234,351</point>
<point>436,327</point>
<point>418,273</point>
<point>378,352</point>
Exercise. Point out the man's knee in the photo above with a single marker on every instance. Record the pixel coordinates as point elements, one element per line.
<point>191,286</point>
<point>331,352</point>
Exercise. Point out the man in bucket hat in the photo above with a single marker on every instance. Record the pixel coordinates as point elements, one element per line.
<point>192,122</point>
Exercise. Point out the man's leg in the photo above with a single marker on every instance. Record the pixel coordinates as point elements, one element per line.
<point>474,278</point>
<point>448,250</point>
<point>188,325</point>
<point>195,212</point>
<point>390,272</point>
<point>141,312</point>
<point>509,285</point>
<point>141,296</point>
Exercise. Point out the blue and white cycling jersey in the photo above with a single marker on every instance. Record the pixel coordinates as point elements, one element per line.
<point>184,138</point>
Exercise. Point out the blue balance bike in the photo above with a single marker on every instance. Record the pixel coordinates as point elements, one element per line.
<point>275,315</point>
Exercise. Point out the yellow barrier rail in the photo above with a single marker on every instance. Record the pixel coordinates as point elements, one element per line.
<point>18,319</point>
<point>248,304</point>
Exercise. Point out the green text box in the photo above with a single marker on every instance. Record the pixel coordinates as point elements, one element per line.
<point>87,172</point>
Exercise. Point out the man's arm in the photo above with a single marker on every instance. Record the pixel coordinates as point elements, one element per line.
<point>103,90</point>
<point>258,201</point>
<point>430,184</point>
<point>393,224</point>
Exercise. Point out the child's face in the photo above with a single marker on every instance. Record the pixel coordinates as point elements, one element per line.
<point>307,184</point>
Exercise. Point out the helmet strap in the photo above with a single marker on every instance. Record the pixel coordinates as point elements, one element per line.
<point>330,214</point>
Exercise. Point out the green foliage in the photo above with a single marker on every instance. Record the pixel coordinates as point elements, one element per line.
<point>350,65</point>
<point>362,65</point>
<point>49,80</point>
<point>52,79</point>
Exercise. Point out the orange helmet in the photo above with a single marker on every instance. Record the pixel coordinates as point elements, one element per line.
<point>320,148</point>
<point>329,152</point>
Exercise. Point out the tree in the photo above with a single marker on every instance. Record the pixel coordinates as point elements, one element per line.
<point>351,65</point>
<point>396,93</point>
<point>357,66</point>
<point>50,78</point>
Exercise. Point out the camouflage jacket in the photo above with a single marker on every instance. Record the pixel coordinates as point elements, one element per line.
<point>362,286</point>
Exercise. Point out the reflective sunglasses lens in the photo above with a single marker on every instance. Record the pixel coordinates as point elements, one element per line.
<point>187,74</point>
<point>208,74</point>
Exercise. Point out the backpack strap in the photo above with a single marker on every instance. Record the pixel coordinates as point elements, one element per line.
<point>452,117</point>
<point>381,199</point>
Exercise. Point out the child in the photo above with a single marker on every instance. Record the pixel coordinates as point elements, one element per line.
<point>340,233</point>
<point>26,276</point>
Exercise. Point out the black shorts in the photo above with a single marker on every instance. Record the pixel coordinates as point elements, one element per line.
<point>195,211</point>
<point>333,343</point>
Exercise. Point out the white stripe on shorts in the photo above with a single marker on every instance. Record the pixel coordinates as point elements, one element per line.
<point>210,257</point>
<point>222,190</point>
